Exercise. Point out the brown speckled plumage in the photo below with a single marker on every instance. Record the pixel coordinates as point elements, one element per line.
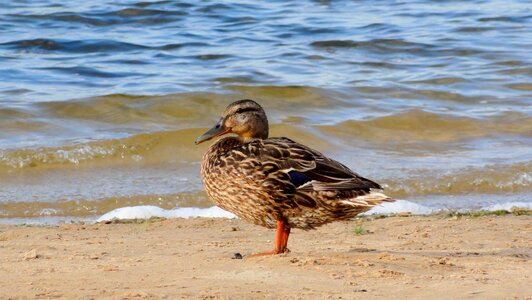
<point>269,180</point>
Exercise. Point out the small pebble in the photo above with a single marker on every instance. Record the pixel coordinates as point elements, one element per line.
<point>237,256</point>
<point>32,254</point>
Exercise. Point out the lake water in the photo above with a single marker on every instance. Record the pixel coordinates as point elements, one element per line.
<point>100,101</point>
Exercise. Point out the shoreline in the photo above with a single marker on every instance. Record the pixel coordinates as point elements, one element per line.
<point>146,212</point>
<point>432,256</point>
<point>399,207</point>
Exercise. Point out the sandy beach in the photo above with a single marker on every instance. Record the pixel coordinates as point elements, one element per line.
<point>416,257</point>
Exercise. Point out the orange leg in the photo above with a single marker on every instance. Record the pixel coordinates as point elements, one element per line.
<point>281,240</point>
<point>284,244</point>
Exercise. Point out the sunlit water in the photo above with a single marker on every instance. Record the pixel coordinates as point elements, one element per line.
<point>100,101</point>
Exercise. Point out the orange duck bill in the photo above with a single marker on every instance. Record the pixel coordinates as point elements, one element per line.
<point>218,130</point>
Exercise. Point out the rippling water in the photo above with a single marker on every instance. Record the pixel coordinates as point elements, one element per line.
<point>100,101</point>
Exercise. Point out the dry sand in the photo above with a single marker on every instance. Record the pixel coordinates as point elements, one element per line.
<point>434,257</point>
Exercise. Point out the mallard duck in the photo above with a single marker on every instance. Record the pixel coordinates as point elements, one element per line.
<point>277,182</point>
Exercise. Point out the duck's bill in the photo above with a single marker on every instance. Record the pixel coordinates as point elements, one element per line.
<point>217,130</point>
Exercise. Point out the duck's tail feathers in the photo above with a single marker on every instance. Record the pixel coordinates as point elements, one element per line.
<point>371,199</point>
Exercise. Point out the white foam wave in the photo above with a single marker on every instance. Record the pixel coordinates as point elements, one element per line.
<point>399,206</point>
<point>508,206</point>
<point>150,211</point>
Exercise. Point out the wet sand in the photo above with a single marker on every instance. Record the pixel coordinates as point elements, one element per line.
<point>435,257</point>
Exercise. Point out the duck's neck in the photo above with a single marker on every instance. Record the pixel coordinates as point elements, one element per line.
<point>259,132</point>
<point>247,139</point>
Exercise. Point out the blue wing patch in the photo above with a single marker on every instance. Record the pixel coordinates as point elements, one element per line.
<point>298,179</point>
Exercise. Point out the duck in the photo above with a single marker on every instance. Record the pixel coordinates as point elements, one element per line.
<point>276,182</point>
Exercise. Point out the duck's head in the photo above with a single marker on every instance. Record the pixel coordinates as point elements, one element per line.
<point>245,118</point>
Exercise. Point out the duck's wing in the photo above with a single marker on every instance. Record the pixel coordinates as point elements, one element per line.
<point>309,169</point>
<point>297,175</point>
